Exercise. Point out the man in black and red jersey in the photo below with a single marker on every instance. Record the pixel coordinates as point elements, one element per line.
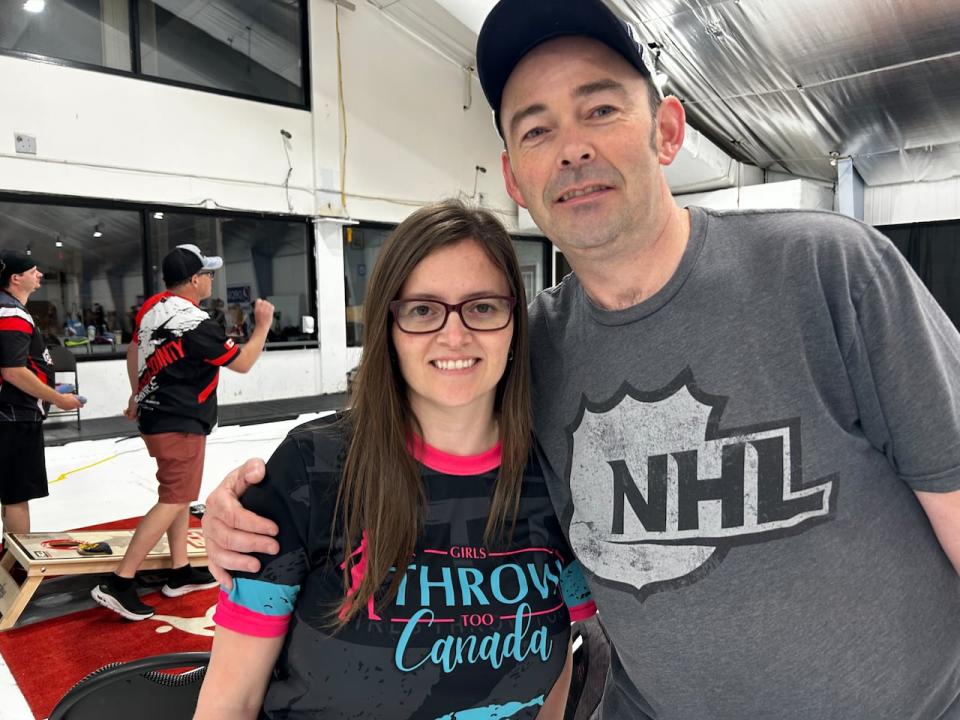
<point>173,363</point>
<point>26,391</point>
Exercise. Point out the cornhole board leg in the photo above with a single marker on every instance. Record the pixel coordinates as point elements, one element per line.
<point>40,562</point>
<point>14,597</point>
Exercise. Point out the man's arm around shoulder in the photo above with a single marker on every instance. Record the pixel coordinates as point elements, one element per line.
<point>943,511</point>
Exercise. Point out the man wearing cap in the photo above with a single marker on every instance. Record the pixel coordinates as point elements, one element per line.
<point>26,390</point>
<point>749,421</point>
<point>173,364</point>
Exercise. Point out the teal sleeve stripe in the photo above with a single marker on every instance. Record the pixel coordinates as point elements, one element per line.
<point>575,589</point>
<point>264,597</point>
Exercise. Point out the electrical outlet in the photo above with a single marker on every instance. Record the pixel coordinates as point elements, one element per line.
<point>23,143</point>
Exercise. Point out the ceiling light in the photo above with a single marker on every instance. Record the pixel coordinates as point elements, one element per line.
<point>35,6</point>
<point>59,243</point>
<point>96,231</point>
<point>158,215</point>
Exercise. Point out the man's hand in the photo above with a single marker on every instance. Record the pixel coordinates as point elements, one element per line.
<point>130,413</point>
<point>229,530</point>
<point>67,401</point>
<point>263,313</point>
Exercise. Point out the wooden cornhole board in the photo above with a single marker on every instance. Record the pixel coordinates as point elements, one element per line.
<point>42,561</point>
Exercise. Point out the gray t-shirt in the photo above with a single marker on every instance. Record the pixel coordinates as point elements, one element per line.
<point>734,459</point>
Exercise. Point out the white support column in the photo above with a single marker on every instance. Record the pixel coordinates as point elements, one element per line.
<point>849,189</point>
<point>331,306</point>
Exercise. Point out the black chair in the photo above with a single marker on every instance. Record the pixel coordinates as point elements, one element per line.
<point>65,363</point>
<point>137,689</point>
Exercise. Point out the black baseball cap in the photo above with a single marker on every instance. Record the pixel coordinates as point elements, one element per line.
<point>13,262</point>
<point>185,261</point>
<point>515,27</point>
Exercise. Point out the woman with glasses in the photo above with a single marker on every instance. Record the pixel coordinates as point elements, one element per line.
<point>422,572</point>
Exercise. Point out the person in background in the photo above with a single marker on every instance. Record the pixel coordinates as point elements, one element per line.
<point>173,365</point>
<point>217,314</point>
<point>236,322</point>
<point>26,391</point>
<point>422,572</point>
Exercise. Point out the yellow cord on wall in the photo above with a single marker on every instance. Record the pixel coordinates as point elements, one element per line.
<point>343,119</point>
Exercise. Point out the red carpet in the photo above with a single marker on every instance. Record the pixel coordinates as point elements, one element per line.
<point>48,657</point>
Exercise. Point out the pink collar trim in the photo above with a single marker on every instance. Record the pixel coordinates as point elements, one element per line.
<point>455,464</point>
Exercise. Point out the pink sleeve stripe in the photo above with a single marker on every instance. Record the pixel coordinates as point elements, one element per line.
<point>247,622</point>
<point>583,611</point>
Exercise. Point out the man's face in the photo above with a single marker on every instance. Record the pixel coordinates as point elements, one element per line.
<point>204,283</point>
<point>28,281</point>
<point>581,144</point>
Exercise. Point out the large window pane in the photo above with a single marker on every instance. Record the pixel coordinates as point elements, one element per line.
<point>533,265</point>
<point>361,246</point>
<point>96,32</point>
<point>262,259</point>
<point>251,47</point>
<point>92,286</point>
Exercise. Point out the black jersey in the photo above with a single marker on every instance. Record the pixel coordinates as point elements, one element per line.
<point>21,345</point>
<point>474,631</point>
<point>179,355</point>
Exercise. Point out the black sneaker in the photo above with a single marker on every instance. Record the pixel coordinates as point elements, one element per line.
<point>125,603</point>
<point>186,580</point>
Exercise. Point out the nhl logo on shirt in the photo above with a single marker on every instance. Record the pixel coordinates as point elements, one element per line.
<point>661,490</point>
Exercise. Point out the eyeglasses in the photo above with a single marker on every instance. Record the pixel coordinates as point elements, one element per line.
<point>418,315</point>
<point>206,272</point>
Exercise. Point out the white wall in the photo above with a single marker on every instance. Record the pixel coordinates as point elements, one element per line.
<point>105,136</point>
<point>282,374</point>
<point>912,202</point>
<point>788,194</point>
<point>409,140</point>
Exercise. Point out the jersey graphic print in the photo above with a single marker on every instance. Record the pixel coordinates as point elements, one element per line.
<point>475,630</point>
<point>161,339</point>
<point>661,490</point>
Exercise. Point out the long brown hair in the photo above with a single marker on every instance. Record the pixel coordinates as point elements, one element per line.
<point>381,493</point>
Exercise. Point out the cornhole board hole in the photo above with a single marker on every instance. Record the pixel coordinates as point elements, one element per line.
<point>42,555</point>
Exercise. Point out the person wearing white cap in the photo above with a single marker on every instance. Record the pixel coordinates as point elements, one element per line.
<point>173,364</point>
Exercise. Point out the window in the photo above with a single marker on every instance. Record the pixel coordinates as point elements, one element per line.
<point>361,246</point>
<point>92,263</point>
<point>563,268</point>
<point>263,258</point>
<point>93,32</point>
<point>534,256</point>
<point>249,48</point>
<point>99,265</point>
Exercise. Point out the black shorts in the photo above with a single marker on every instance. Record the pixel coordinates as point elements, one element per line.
<point>23,469</point>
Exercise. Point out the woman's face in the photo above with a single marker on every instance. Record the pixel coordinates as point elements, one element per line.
<point>454,367</point>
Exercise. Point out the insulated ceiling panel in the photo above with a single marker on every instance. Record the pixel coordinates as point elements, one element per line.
<point>783,83</point>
